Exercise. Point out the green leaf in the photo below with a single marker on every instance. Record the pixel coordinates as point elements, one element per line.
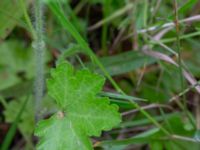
<point>122,63</point>
<point>187,6</point>
<point>82,113</point>
<point>10,14</point>
<point>17,63</point>
<point>26,123</point>
<point>10,135</point>
<point>15,59</point>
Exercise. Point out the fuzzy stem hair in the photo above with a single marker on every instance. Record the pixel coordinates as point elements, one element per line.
<point>39,48</point>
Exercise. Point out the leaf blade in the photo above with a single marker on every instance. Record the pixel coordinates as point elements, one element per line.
<point>82,112</point>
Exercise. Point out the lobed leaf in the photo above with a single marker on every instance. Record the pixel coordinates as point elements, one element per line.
<point>82,113</point>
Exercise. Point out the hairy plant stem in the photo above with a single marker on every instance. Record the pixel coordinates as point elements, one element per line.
<point>39,47</point>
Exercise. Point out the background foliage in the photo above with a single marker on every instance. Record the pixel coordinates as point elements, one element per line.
<point>135,44</point>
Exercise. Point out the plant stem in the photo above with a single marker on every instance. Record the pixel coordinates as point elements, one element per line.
<point>39,47</point>
<point>176,21</point>
<point>178,43</point>
<point>27,18</point>
<point>104,33</point>
<point>11,132</point>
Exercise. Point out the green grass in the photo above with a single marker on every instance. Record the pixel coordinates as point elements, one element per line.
<point>143,69</point>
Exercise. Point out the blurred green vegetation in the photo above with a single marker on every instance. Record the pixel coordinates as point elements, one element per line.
<point>121,35</point>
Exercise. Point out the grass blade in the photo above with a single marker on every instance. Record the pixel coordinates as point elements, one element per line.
<point>11,133</point>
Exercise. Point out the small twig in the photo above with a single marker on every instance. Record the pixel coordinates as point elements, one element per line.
<point>156,39</point>
<point>141,75</point>
<point>111,17</point>
<point>166,25</point>
<point>168,59</point>
<point>117,39</point>
<point>184,92</point>
<point>171,24</point>
<point>183,138</point>
<point>177,25</point>
<point>146,107</point>
<point>160,34</point>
